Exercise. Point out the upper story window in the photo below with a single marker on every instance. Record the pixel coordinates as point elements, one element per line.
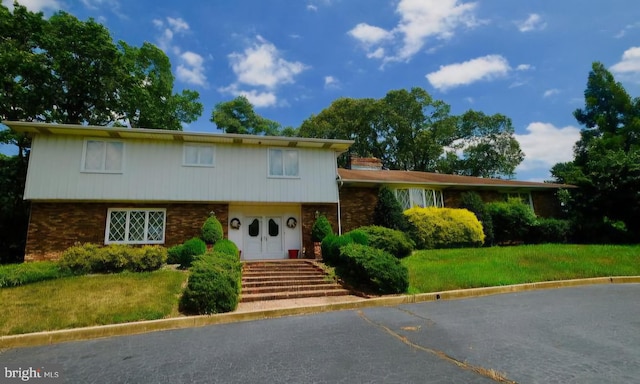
<point>283,163</point>
<point>199,155</point>
<point>419,197</point>
<point>106,156</point>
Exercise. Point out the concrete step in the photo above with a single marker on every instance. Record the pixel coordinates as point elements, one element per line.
<point>284,283</point>
<point>246,298</point>
<point>290,288</point>
<point>281,273</point>
<point>249,279</point>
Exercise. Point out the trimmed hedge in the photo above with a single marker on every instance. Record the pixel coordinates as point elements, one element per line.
<point>13,275</point>
<point>213,286</point>
<point>211,230</point>
<point>548,230</point>
<point>331,245</point>
<point>189,250</point>
<point>395,242</point>
<point>446,227</point>
<point>512,220</point>
<point>227,246</point>
<point>473,202</point>
<point>374,268</point>
<point>90,258</point>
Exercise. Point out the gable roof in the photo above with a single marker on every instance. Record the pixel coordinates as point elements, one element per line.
<point>31,128</point>
<point>358,177</point>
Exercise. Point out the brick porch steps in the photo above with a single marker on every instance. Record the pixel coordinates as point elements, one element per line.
<point>286,279</point>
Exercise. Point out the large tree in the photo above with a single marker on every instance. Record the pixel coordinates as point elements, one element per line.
<point>238,116</point>
<point>606,166</point>
<point>409,130</point>
<point>64,70</point>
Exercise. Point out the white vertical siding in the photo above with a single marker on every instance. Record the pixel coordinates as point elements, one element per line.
<point>153,171</point>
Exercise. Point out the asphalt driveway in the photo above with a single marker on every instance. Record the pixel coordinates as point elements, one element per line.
<point>571,335</point>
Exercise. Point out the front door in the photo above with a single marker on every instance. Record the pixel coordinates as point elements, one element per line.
<point>263,238</point>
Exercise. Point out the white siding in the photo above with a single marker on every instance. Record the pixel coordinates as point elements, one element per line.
<point>153,171</point>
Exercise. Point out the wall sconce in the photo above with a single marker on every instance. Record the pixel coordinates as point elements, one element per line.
<point>317,214</point>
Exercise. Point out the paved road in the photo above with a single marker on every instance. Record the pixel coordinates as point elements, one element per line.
<point>571,335</point>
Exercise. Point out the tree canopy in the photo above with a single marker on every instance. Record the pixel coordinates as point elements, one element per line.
<point>238,116</point>
<point>409,130</point>
<point>606,165</point>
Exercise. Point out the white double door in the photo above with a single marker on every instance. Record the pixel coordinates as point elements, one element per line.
<point>263,238</point>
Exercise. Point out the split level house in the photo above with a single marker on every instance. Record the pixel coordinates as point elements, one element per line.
<point>109,185</point>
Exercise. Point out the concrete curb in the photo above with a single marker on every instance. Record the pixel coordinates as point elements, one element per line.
<point>77,334</point>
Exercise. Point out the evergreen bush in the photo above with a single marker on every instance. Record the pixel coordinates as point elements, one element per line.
<point>13,275</point>
<point>549,230</point>
<point>395,242</point>
<point>321,228</point>
<point>213,285</point>
<point>79,259</point>
<point>227,246</point>
<point>173,254</point>
<point>473,202</point>
<point>190,249</point>
<point>332,243</point>
<point>388,211</point>
<point>212,230</point>
<point>446,227</point>
<point>512,220</point>
<point>373,268</point>
<point>146,259</point>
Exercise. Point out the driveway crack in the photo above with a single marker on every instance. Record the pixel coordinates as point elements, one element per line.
<point>492,374</point>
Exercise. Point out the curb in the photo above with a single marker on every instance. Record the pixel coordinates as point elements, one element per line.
<point>88,333</point>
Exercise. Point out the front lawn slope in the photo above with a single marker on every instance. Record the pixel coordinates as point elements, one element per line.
<point>447,269</point>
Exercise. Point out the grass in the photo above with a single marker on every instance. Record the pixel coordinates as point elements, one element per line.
<point>13,275</point>
<point>81,301</point>
<point>446,269</point>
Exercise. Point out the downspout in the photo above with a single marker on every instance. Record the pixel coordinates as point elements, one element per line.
<point>339,181</point>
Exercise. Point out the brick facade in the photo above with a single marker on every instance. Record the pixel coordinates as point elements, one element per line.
<point>54,227</point>
<point>356,207</point>
<point>309,217</point>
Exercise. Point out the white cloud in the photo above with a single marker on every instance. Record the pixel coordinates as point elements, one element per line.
<point>177,25</point>
<point>256,98</point>
<point>35,5</point>
<point>533,23</point>
<point>331,82</point>
<point>173,26</point>
<point>262,65</point>
<point>524,67</point>
<point>312,7</point>
<point>377,54</point>
<point>191,70</point>
<point>544,145</point>
<point>369,34</point>
<point>551,92</point>
<point>420,20</point>
<point>627,28</point>
<point>630,62</point>
<point>481,68</point>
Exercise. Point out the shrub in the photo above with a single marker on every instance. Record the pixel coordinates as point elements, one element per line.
<point>79,259</point>
<point>446,227</point>
<point>473,202</point>
<point>13,275</point>
<point>173,254</point>
<point>147,258</point>
<point>227,246</point>
<point>211,230</point>
<point>213,286</point>
<point>374,268</point>
<point>511,219</point>
<point>321,228</point>
<point>395,242</point>
<point>388,211</point>
<point>548,230</point>
<point>332,243</point>
<point>190,249</point>
<point>112,258</point>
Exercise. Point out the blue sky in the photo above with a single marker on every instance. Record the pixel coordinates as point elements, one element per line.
<point>526,59</point>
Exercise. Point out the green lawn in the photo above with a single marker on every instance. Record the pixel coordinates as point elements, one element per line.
<point>82,301</point>
<point>446,269</point>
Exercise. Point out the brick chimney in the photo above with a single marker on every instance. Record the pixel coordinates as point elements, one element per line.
<point>366,163</point>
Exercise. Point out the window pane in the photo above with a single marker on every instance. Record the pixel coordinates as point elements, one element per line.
<point>291,163</point>
<point>136,225</point>
<point>403,198</point>
<point>190,154</point>
<point>429,198</point>
<point>94,155</point>
<point>113,159</point>
<point>206,155</point>
<point>274,228</point>
<point>417,197</point>
<point>156,226</point>
<point>117,225</point>
<point>275,162</point>
<point>254,228</point>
